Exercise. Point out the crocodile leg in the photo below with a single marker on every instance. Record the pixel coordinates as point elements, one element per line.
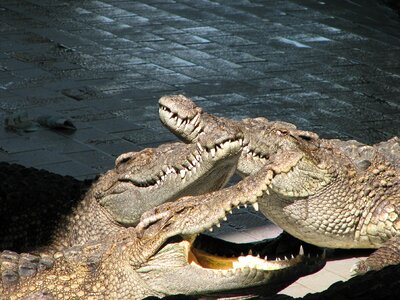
<point>388,254</point>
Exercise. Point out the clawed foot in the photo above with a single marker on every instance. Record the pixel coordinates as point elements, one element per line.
<point>360,268</point>
<point>386,255</point>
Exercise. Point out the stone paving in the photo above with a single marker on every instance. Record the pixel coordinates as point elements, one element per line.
<point>329,67</point>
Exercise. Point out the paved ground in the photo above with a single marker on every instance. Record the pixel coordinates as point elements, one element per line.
<point>331,67</point>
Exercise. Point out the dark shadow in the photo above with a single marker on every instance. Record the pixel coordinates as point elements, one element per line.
<point>32,205</point>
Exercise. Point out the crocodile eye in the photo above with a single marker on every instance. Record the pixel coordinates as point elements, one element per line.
<point>305,137</point>
<point>363,165</point>
<point>122,161</point>
<point>281,132</point>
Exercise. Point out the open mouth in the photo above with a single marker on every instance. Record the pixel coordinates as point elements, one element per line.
<point>250,260</point>
<point>207,252</point>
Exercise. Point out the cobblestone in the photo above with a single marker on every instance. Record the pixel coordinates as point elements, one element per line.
<point>331,67</point>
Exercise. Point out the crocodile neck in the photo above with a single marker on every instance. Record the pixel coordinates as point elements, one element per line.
<point>350,212</point>
<point>325,223</point>
<point>88,221</point>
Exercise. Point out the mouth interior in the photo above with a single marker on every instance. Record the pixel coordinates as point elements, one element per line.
<point>211,253</point>
<point>210,261</point>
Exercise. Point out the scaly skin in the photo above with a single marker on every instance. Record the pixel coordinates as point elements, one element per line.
<point>156,258</point>
<point>340,194</point>
<point>33,216</point>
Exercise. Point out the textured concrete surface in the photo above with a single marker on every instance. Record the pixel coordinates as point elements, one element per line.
<point>331,67</point>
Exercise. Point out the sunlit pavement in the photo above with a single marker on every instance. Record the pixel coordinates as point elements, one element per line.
<point>329,67</point>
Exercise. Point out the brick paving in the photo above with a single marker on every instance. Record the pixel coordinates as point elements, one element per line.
<point>331,67</point>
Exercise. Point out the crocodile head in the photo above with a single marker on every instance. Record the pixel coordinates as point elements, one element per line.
<point>262,138</point>
<point>145,179</point>
<point>158,257</point>
<point>188,121</point>
<point>180,266</point>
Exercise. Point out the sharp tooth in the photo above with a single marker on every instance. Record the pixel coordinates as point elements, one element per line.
<point>170,114</point>
<point>179,122</point>
<point>182,172</point>
<point>225,219</point>
<point>189,127</point>
<point>194,162</point>
<point>245,205</point>
<point>230,212</point>
<point>194,120</point>
<point>278,259</point>
<point>292,256</point>
<point>301,251</point>
<point>255,206</point>
<point>285,257</point>
<point>163,178</point>
<point>324,254</point>
<point>210,229</point>
<point>158,181</point>
<point>212,152</point>
<point>218,225</point>
<point>251,252</point>
<point>200,147</point>
<point>198,158</point>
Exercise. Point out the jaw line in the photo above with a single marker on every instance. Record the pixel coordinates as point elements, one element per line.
<point>219,157</point>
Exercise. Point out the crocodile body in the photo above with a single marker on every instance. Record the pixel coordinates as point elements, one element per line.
<point>41,210</point>
<point>156,257</point>
<point>336,194</point>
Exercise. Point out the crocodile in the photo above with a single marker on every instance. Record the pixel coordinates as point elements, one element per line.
<point>157,257</point>
<point>338,194</point>
<point>43,210</point>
